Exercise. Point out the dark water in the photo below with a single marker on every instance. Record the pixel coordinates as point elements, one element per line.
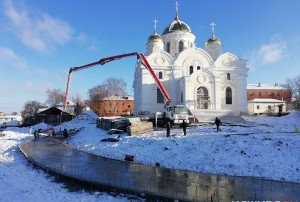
<point>121,176</point>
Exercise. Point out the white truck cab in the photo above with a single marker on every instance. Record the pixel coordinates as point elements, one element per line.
<point>177,114</point>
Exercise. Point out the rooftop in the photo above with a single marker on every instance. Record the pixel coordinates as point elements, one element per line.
<point>262,86</point>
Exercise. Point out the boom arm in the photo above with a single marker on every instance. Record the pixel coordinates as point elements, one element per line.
<point>148,67</point>
<point>74,69</point>
<point>117,57</point>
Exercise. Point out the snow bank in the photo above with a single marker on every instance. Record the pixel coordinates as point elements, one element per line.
<point>266,150</point>
<point>20,181</point>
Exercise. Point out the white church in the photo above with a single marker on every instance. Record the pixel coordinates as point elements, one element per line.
<point>199,78</point>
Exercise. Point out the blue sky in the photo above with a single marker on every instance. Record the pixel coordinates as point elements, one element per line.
<point>41,39</point>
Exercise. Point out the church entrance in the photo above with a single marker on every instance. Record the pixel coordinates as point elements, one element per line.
<point>202,98</point>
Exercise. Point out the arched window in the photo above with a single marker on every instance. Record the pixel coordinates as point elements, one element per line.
<point>168,47</point>
<point>198,67</point>
<point>228,96</point>
<point>180,46</point>
<point>228,76</point>
<point>159,96</point>
<point>191,69</point>
<point>160,75</point>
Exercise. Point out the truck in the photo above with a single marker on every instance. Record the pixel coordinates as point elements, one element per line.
<point>176,113</point>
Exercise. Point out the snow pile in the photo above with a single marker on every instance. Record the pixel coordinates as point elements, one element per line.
<point>286,123</point>
<point>20,181</point>
<point>294,114</point>
<point>267,150</point>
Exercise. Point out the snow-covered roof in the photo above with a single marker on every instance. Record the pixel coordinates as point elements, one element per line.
<point>68,109</point>
<point>42,109</point>
<point>9,116</point>
<point>262,86</point>
<point>266,100</point>
<point>127,97</point>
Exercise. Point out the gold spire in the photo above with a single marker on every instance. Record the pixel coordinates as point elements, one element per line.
<point>212,29</point>
<point>155,22</point>
<point>176,5</point>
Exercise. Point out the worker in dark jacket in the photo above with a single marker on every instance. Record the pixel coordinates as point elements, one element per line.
<point>218,123</point>
<point>168,126</point>
<point>36,134</point>
<point>184,126</point>
<point>65,133</point>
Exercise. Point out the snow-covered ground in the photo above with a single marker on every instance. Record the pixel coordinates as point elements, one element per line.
<point>269,150</point>
<point>20,181</point>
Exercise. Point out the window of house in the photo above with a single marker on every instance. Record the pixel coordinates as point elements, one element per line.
<point>269,107</point>
<point>257,107</point>
<point>228,95</point>
<point>191,69</point>
<point>259,93</point>
<point>180,46</point>
<point>168,48</point>
<point>198,67</point>
<point>228,76</point>
<point>159,96</point>
<point>128,106</point>
<point>160,75</point>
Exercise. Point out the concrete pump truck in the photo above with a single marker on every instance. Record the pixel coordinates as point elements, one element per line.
<point>176,113</point>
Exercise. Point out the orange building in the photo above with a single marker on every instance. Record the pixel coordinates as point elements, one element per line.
<point>116,106</point>
<point>268,91</point>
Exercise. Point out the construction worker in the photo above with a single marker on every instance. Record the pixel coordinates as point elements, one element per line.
<point>36,134</point>
<point>184,126</point>
<point>218,123</point>
<point>168,126</point>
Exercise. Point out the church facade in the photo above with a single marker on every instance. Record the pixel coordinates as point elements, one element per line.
<point>199,78</point>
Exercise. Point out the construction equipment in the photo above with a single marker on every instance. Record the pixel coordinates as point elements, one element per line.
<point>176,113</point>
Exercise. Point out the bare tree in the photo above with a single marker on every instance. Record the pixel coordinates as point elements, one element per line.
<point>115,87</point>
<point>55,97</point>
<point>30,108</point>
<point>95,94</point>
<point>79,104</point>
<point>294,85</point>
<point>110,87</point>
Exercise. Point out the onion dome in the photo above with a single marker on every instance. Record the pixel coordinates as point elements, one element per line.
<point>155,38</point>
<point>177,25</point>
<point>213,39</point>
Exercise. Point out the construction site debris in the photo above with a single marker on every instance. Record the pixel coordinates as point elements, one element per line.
<point>131,125</point>
<point>129,157</point>
<point>139,128</point>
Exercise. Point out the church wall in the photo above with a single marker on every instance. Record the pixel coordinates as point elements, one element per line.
<point>180,84</point>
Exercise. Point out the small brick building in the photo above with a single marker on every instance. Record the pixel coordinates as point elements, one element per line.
<point>268,91</point>
<point>116,106</point>
<point>267,98</point>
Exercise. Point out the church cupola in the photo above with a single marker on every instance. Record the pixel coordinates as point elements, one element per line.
<point>177,36</point>
<point>213,45</point>
<point>155,42</point>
